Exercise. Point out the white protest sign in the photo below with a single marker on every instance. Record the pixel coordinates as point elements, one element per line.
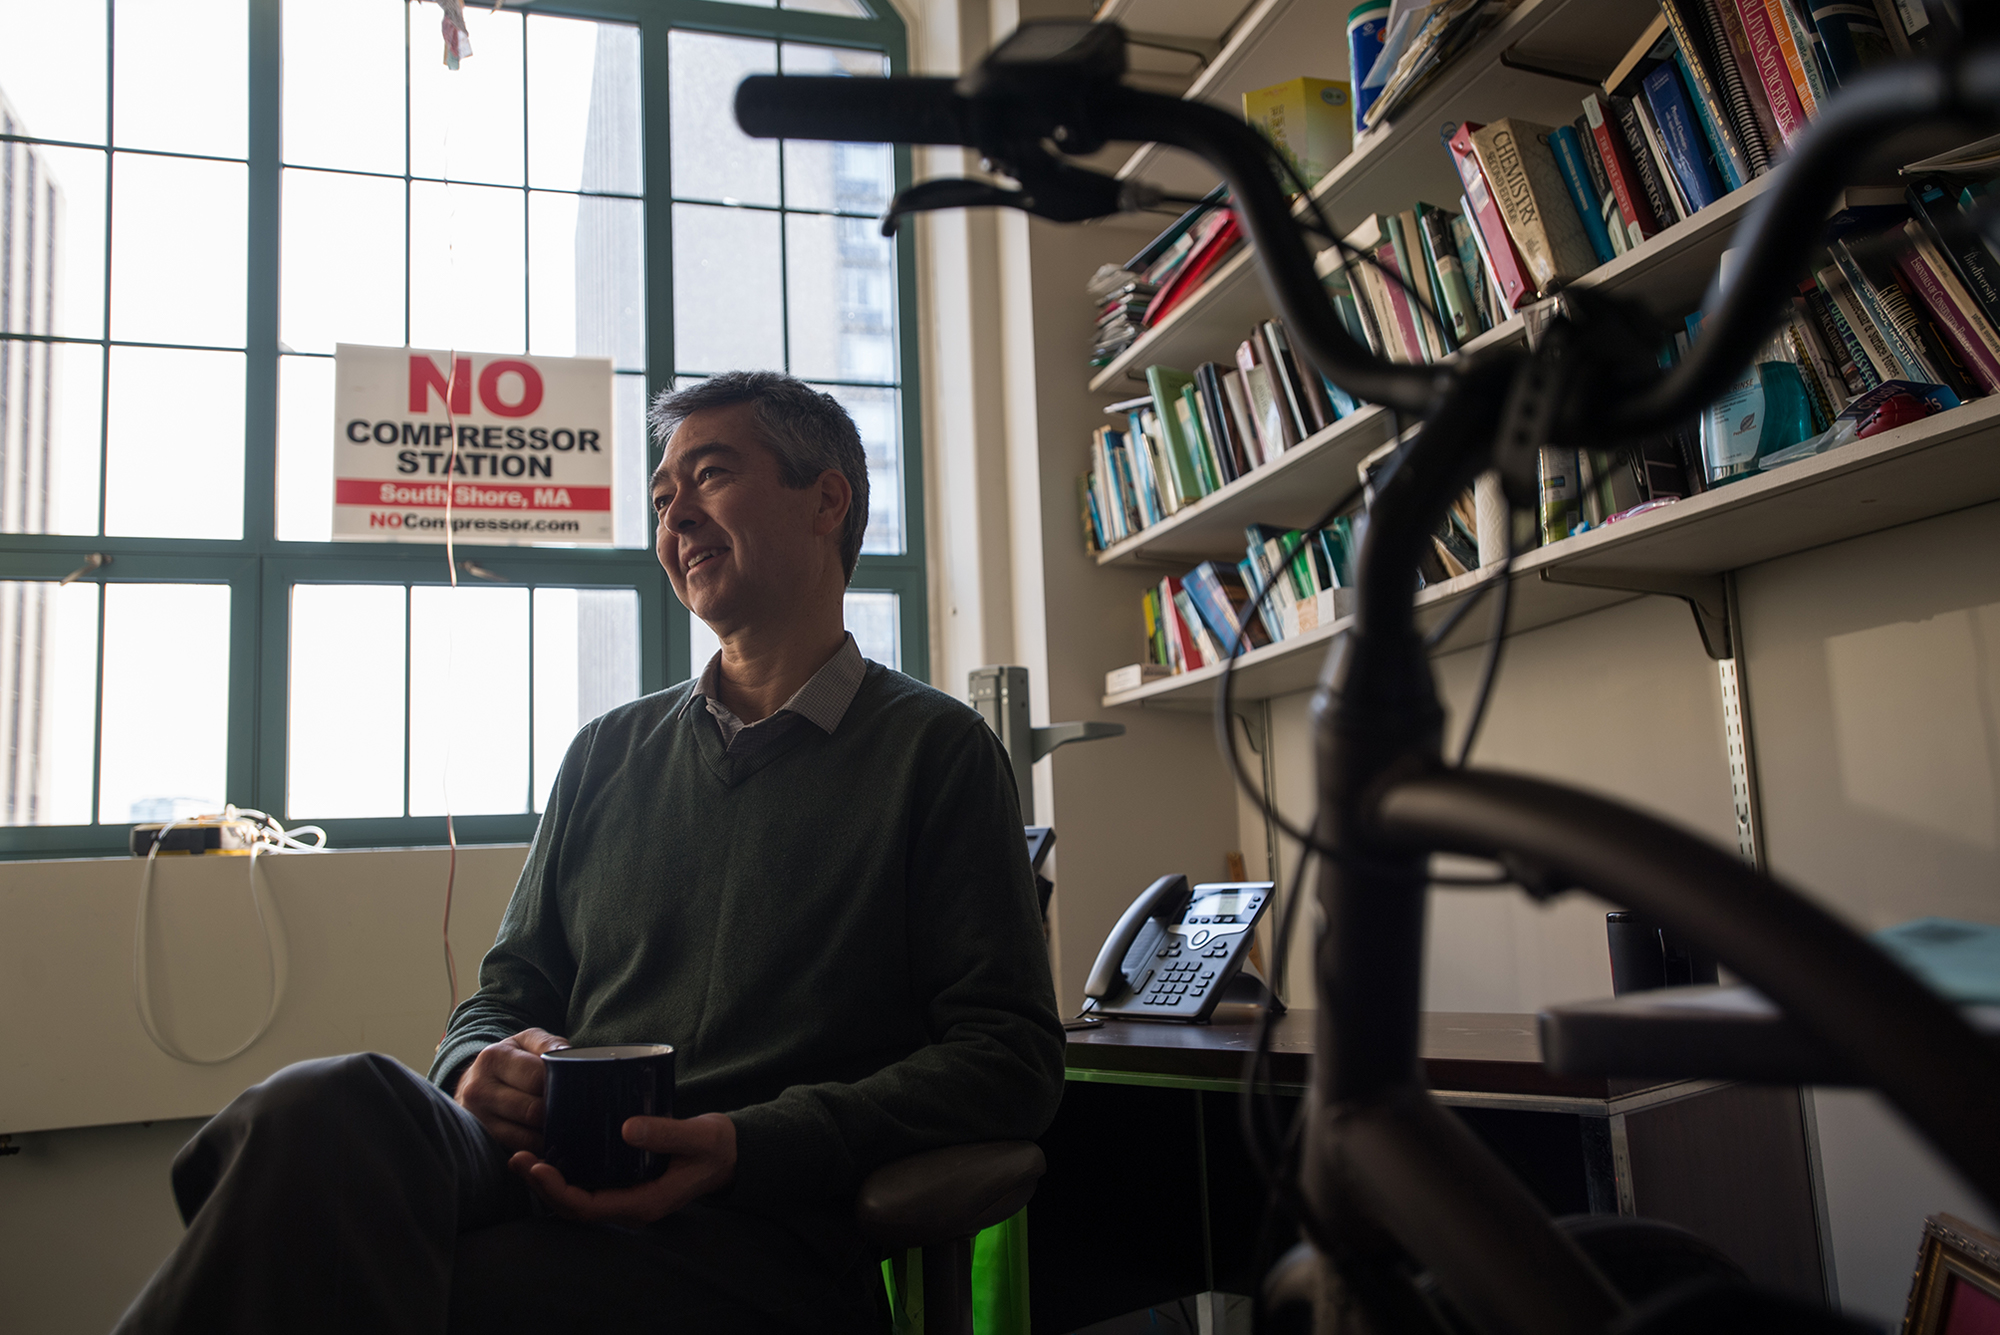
<point>506,449</point>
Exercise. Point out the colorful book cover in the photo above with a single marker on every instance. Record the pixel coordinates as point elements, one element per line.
<point>1698,70</point>
<point>1681,138</point>
<point>1401,229</point>
<point>1166,385</point>
<point>1809,75</point>
<point>1780,20</point>
<point>1635,123</point>
<point>1208,467</point>
<point>1725,16</point>
<point>1600,181</point>
<point>1951,306</point>
<point>1464,239</point>
<point>1441,255</point>
<point>1931,202</point>
<point>1568,154</point>
<point>1739,99</point>
<point>1395,293</point>
<point>1878,359</point>
<point>1883,304</point>
<point>1633,203</point>
<point>1510,276</point>
<point>1714,133</point>
<point>1529,190</point>
<point>1787,111</point>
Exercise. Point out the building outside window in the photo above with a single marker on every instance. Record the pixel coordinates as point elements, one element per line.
<point>199,199</point>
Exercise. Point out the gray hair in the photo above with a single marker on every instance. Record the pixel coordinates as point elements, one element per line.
<point>807,430</point>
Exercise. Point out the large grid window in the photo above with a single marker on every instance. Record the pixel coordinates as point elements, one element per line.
<point>199,198</point>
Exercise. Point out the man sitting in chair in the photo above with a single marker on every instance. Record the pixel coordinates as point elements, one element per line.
<point>803,870</point>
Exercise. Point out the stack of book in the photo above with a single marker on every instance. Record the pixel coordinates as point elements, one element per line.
<point>1414,286</point>
<point>1136,295</point>
<point>1195,620</point>
<point>1194,434</point>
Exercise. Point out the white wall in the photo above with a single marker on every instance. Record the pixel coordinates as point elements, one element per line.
<point>97,1112</point>
<point>1874,684</point>
<point>1624,702</point>
<point>1872,669</point>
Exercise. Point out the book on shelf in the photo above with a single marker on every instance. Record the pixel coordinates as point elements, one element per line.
<point>1699,65</point>
<point>1497,250</point>
<point>1686,149</point>
<point>1134,675</point>
<point>1635,209</point>
<point>1529,192</point>
<point>1600,182</point>
<point>1215,241</point>
<point>1952,308</point>
<point>1577,178</point>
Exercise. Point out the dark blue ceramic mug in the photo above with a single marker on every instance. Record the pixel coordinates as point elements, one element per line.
<point>590,1093</point>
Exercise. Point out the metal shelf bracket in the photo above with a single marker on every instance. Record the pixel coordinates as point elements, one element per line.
<point>1707,596</point>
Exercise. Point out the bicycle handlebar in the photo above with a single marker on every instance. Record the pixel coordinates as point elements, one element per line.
<point>1010,109</point>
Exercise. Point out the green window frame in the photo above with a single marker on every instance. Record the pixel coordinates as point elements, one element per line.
<point>260,570</point>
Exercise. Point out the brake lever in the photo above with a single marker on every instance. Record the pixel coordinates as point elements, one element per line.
<point>1049,189</point>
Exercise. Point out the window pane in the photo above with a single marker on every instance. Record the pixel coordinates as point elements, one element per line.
<point>877,415</point>
<point>712,159</point>
<point>52,69</point>
<point>728,312</point>
<point>175,448</point>
<point>49,436</point>
<point>343,82</point>
<point>340,261</point>
<point>344,725</point>
<point>587,277</point>
<point>845,8</point>
<point>465,124</point>
<point>182,76</point>
<point>586,661</point>
<point>177,243</point>
<point>631,498</point>
<point>48,672</point>
<point>468,700</point>
<point>305,449</point>
<point>851,178</point>
<point>166,699</point>
<point>874,618</point>
<point>840,285</point>
<point>55,197</point>
<point>467,285</point>
<point>583,105</point>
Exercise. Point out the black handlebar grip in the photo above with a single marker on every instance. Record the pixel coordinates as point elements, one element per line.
<point>853,110</point>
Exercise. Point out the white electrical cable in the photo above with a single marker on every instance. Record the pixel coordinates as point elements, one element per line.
<point>265,833</point>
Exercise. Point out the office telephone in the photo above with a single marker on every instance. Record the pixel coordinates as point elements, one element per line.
<point>1175,951</point>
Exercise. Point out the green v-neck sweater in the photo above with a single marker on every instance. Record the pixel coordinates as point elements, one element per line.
<point>837,932</point>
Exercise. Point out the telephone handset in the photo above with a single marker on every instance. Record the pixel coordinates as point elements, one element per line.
<point>1174,951</point>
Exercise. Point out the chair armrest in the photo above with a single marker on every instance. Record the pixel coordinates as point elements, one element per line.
<point>945,1194</point>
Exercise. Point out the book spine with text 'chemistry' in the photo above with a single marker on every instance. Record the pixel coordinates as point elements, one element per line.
<point>1503,260</point>
<point>1529,190</point>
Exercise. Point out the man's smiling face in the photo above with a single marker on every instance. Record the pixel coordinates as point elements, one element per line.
<point>736,542</point>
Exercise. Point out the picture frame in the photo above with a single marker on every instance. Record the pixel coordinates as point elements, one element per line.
<point>1956,1288</point>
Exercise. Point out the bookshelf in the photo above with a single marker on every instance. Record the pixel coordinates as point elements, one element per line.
<point>1944,463</point>
<point>1668,273</point>
<point>1534,63</point>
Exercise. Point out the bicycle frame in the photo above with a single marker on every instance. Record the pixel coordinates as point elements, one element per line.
<point>1389,1176</point>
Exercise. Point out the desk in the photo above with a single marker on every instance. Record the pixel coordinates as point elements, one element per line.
<point>1150,1195</point>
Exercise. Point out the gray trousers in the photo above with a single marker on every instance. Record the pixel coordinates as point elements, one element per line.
<point>350,1194</point>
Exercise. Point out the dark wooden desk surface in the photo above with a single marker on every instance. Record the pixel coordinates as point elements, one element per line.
<point>1462,1050</point>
